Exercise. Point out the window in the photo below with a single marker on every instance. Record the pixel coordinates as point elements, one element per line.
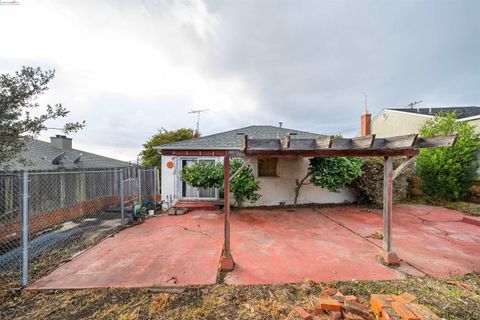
<point>267,167</point>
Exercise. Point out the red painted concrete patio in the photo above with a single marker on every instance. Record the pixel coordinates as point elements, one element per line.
<point>275,246</point>
<point>162,251</point>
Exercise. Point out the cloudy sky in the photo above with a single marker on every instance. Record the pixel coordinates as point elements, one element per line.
<point>131,67</point>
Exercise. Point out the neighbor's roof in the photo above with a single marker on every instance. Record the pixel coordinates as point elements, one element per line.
<point>41,154</point>
<point>461,112</point>
<point>233,140</point>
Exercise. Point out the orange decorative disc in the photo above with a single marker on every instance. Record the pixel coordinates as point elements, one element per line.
<point>170,164</point>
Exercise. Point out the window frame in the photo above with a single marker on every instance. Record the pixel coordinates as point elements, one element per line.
<point>267,173</point>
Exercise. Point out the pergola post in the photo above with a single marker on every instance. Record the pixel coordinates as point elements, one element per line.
<point>388,255</point>
<point>227,263</point>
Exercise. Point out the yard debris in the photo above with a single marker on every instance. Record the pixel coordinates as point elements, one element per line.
<point>160,289</point>
<point>376,235</point>
<point>177,211</point>
<point>328,292</point>
<point>302,313</point>
<point>336,306</point>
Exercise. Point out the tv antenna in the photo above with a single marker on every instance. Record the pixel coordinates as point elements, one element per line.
<point>9,2</point>
<point>412,104</point>
<point>197,113</point>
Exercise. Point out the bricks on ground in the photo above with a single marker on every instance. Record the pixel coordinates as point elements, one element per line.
<point>337,306</point>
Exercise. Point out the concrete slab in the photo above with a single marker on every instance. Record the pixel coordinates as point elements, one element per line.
<point>163,251</point>
<point>281,246</point>
<point>275,246</point>
<point>431,239</point>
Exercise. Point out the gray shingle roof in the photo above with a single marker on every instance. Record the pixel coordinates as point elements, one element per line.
<point>462,112</point>
<point>41,154</point>
<point>233,139</point>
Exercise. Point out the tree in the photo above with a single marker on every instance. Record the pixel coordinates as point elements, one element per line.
<point>330,173</point>
<point>151,157</point>
<point>448,173</point>
<point>211,175</point>
<point>18,93</point>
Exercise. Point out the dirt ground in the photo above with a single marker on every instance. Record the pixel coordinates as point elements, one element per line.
<point>451,298</point>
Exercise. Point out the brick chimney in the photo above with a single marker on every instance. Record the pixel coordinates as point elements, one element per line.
<point>366,124</point>
<point>61,142</point>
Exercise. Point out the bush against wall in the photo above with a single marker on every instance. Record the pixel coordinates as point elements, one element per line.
<point>369,186</point>
<point>448,173</point>
<point>332,173</point>
<point>210,175</point>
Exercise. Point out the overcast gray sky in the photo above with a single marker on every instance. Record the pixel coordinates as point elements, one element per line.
<point>131,67</point>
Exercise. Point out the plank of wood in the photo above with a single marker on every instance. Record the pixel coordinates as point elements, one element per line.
<point>334,153</point>
<point>363,142</point>
<point>263,144</point>
<point>323,142</point>
<point>341,144</point>
<point>402,166</point>
<point>285,142</point>
<point>440,141</point>
<point>406,141</point>
<point>302,144</point>
<point>245,143</point>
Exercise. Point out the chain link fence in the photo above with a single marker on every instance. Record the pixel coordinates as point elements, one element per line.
<point>46,218</point>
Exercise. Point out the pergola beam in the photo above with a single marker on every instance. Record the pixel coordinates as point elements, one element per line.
<point>389,256</point>
<point>410,152</point>
<point>226,263</point>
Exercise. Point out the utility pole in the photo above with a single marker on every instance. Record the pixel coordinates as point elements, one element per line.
<point>197,112</point>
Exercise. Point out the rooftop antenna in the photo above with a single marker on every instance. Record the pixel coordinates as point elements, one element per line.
<point>366,104</point>
<point>197,112</point>
<point>9,2</point>
<point>412,104</point>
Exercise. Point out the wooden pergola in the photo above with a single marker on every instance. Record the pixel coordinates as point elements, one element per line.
<point>326,146</point>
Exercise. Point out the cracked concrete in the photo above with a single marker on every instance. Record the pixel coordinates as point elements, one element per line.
<point>275,246</point>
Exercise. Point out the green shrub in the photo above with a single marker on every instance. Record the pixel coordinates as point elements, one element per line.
<point>369,186</point>
<point>210,175</point>
<point>330,173</point>
<point>448,173</point>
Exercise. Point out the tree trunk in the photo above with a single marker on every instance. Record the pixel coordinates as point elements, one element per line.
<point>298,185</point>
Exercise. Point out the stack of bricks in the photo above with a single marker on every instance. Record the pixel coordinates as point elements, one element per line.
<point>399,307</point>
<point>332,304</point>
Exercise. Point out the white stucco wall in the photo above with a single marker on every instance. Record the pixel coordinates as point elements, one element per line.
<point>274,190</point>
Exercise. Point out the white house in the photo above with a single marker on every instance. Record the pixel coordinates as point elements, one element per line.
<point>276,175</point>
<point>400,121</point>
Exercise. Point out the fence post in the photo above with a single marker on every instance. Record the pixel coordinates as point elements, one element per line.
<point>25,242</point>
<point>154,177</point>
<point>122,200</point>
<point>139,186</point>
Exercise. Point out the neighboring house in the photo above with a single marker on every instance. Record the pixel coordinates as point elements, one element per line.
<point>395,122</point>
<point>58,154</point>
<point>276,175</point>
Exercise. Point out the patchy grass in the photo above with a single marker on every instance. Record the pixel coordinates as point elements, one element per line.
<point>451,298</point>
<point>469,208</point>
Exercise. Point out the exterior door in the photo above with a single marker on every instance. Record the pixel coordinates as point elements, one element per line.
<point>190,192</point>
